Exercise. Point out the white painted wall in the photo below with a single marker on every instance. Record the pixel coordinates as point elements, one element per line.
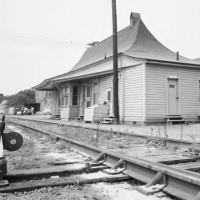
<point>105,84</point>
<point>55,99</point>
<point>134,94</point>
<point>156,91</point>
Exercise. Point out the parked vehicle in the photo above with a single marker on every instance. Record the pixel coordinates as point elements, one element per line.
<point>46,111</point>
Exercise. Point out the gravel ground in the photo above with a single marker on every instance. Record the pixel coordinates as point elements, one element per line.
<point>100,191</point>
<point>39,151</point>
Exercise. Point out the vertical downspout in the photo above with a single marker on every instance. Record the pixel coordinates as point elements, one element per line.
<point>123,92</point>
<point>98,89</point>
<point>144,93</point>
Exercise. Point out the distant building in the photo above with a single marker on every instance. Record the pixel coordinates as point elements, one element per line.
<point>44,98</point>
<point>3,106</point>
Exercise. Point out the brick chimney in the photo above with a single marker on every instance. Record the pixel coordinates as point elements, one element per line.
<point>133,18</point>
<point>177,55</point>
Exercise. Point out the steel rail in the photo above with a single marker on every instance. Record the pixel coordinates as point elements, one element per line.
<point>179,183</point>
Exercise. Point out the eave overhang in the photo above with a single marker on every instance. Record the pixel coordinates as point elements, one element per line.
<point>171,63</point>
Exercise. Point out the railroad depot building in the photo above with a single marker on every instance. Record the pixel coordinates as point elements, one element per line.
<point>154,82</point>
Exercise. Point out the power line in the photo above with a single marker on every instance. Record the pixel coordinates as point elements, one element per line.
<point>44,40</point>
<point>157,27</point>
<point>104,22</point>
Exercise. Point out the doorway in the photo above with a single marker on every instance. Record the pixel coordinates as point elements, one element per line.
<point>86,97</point>
<point>199,101</point>
<point>173,97</point>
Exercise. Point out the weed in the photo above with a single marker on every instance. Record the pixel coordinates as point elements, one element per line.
<point>158,132</point>
<point>151,132</point>
<point>110,134</point>
<point>165,130</point>
<point>192,134</point>
<point>28,144</point>
<point>61,145</point>
<point>20,164</point>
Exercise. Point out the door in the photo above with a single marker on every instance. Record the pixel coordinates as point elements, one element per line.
<point>110,101</point>
<point>173,97</point>
<point>86,97</point>
<point>199,101</point>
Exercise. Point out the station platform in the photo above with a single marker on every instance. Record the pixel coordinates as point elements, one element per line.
<point>186,132</point>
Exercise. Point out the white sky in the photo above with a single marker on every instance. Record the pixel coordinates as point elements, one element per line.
<point>44,38</point>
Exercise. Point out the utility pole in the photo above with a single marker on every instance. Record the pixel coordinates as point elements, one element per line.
<point>115,65</point>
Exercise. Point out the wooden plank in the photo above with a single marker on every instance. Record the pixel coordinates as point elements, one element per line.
<point>72,168</point>
<point>53,171</point>
<point>179,160</point>
<point>78,180</point>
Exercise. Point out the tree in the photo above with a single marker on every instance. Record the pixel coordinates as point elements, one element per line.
<point>22,98</point>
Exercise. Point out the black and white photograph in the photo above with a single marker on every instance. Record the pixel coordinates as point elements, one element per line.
<point>99,100</point>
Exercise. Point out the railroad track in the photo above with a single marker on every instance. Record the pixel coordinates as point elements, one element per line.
<point>173,177</point>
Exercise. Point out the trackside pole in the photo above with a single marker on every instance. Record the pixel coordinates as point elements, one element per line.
<point>115,64</point>
<point>3,163</point>
<point>11,141</point>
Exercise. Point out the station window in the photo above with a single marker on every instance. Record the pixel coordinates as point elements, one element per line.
<point>95,94</point>
<point>75,96</point>
<point>62,97</point>
<point>109,96</point>
<point>65,96</point>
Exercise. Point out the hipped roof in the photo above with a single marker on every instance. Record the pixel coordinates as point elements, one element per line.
<point>135,41</point>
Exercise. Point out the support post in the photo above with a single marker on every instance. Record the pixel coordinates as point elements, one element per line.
<point>58,88</point>
<point>115,65</point>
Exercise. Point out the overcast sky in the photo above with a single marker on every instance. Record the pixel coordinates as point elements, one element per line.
<point>44,38</point>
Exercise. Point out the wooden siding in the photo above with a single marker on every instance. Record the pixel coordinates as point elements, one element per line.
<point>69,113</point>
<point>74,112</point>
<point>156,91</point>
<point>105,83</point>
<point>55,99</point>
<point>64,113</point>
<point>134,94</point>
